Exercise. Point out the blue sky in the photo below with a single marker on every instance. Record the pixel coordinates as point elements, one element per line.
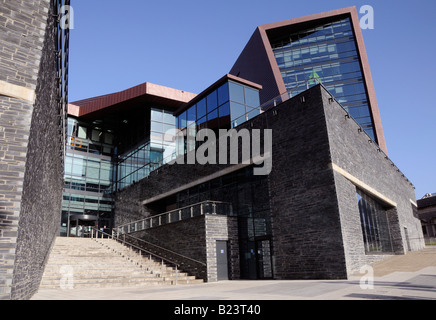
<point>190,44</point>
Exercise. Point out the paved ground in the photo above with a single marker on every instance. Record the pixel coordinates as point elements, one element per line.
<point>412,276</point>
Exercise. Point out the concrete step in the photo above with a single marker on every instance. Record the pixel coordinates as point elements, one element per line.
<point>106,263</point>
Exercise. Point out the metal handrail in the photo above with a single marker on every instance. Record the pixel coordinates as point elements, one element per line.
<point>154,255</point>
<point>167,250</point>
<point>120,229</point>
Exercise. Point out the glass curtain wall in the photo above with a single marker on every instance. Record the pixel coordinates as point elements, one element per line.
<point>158,149</point>
<point>375,226</point>
<point>226,107</point>
<point>88,173</point>
<point>326,54</point>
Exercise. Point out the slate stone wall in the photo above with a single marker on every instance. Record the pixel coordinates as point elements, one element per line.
<point>353,151</point>
<point>31,175</point>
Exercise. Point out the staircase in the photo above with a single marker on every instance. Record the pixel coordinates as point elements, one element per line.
<point>86,262</point>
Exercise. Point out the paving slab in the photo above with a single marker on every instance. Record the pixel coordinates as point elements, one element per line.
<point>411,278</point>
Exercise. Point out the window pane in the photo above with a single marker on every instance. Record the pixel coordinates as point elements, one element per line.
<point>224,110</point>
<point>201,108</point>
<point>252,97</point>
<point>236,110</point>
<point>236,92</point>
<point>156,115</point>
<point>191,115</point>
<point>182,120</point>
<point>168,117</point>
<point>82,132</point>
<point>212,101</point>
<point>156,126</point>
<point>223,94</point>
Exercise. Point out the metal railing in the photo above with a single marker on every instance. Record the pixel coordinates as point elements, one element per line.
<point>195,210</point>
<point>142,252</point>
<point>135,244</point>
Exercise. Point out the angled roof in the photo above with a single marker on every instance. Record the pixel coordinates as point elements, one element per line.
<point>258,64</point>
<point>143,93</point>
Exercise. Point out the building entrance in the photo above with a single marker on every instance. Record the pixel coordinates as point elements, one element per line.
<point>263,259</point>
<point>80,225</point>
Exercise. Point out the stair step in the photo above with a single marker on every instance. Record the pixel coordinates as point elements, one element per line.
<point>105,263</point>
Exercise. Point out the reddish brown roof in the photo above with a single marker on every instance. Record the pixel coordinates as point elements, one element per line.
<point>146,92</point>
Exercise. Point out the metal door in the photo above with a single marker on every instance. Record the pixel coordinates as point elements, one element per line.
<point>221,260</point>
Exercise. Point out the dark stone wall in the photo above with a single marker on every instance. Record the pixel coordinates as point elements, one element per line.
<point>307,236</point>
<point>353,151</point>
<point>194,238</point>
<point>32,169</point>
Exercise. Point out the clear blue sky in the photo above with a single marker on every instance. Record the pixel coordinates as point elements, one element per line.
<point>188,45</point>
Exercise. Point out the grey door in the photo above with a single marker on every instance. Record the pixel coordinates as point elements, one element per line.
<point>221,260</point>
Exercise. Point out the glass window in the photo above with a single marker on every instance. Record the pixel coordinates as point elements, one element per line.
<point>182,120</point>
<point>191,115</point>
<point>223,94</point>
<point>201,108</point>
<point>212,101</point>
<point>375,227</point>
<point>236,92</point>
<point>82,132</point>
<point>168,117</point>
<point>224,110</point>
<point>156,126</point>
<point>156,115</point>
<point>96,135</point>
<point>251,113</point>
<point>236,110</point>
<point>212,115</point>
<point>252,97</point>
<point>108,138</point>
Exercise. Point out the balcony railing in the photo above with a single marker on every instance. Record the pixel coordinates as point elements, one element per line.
<point>188,212</point>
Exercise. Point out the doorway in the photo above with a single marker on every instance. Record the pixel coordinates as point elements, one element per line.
<point>264,259</point>
<point>221,260</point>
<point>80,225</point>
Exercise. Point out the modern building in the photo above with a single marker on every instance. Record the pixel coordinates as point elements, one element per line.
<point>299,97</point>
<point>427,215</point>
<point>284,57</point>
<point>33,103</point>
<point>113,141</point>
<point>322,212</point>
<point>132,167</point>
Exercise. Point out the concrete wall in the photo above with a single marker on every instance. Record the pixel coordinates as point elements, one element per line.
<point>31,163</point>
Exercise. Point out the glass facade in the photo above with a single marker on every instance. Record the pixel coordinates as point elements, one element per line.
<point>375,226</point>
<point>328,54</point>
<point>226,107</point>
<point>137,163</point>
<point>87,175</point>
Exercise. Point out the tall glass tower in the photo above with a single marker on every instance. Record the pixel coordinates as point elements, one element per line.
<point>290,56</point>
<point>326,53</point>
